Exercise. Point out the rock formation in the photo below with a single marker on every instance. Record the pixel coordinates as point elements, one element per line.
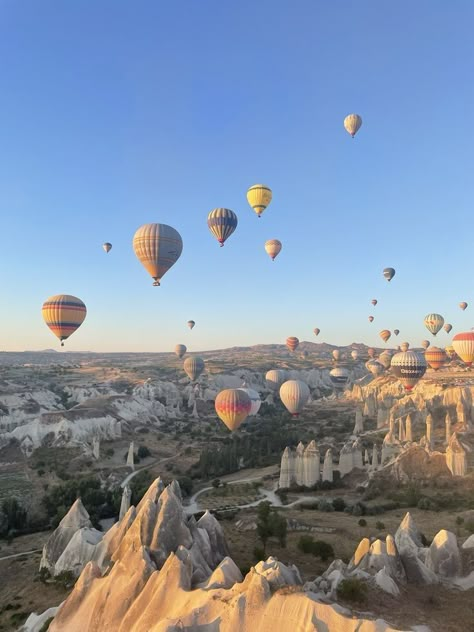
<point>401,430</point>
<point>409,428</point>
<point>328,466</point>
<point>447,423</point>
<point>131,457</point>
<point>287,469</point>
<point>429,432</point>
<point>311,465</point>
<point>125,503</point>
<point>443,556</point>
<point>456,457</point>
<point>375,457</point>
<point>301,468</point>
<point>96,448</point>
<point>299,465</point>
<point>359,422</point>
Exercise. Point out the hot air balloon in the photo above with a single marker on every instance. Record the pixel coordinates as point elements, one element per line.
<point>389,273</point>
<point>354,354</point>
<point>450,352</point>
<point>436,357</point>
<point>463,305</point>
<point>336,354</point>
<point>193,367</point>
<point>304,355</point>
<point>191,324</point>
<point>374,301</point>
<point>222,222</point>
<point>292,343</point>
<point>433,323</point>
<point>408,367</point>
<point>425,344</point>
<point>371,352</point>
<point>233,406</point>
<point>275,378</point>
<point>385,334</point>
<point>371,319</point>
<point>405,346</point>
<point>63,314</point>
<point>254,399</point>
<point>180,350</point>
<point>157,247</point>
<point>396,331</point>
<point>375,367</point>
<point>339,377</point>
<point>259,197</point>
<point>447,328</point>
<point>352,123</point>
<point>294,394</point>
<point>463,344</point>
<point>107,246</point>
<point>385,359</point>
<point>272,248</point>
<point>316,331</point>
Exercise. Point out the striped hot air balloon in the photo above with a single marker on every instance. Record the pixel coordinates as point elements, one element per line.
<point>193,367</point>
<point>292,343</point>
<point>259,197</point>
<point>339,377</point>
<point>352,124</point>
<point>316,331</point>
<point>222,222</point>
<point>385,334</point>
<point>254,399</point>
<point>294,394</point>
<point>463,344</point>
<point>63,314</point>
<point>157,247</point>
<point>233,406</point>
<point>275,378</point>
<point>273,248</point>
<point>433,323</point>
<point>389,273</point>
<point>447,328</point>
<point>409,367</point>
<point>436,357</point>
<point>180,350</point>
<point>107,246</point>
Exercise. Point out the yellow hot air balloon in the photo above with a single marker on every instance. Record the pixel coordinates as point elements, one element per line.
<point>259,197</point>
<point>63,314</point>
<point>352,123</point>
<point>157,247</point>
<point>463,344</point>
<point>233,406</point>
<point>385,334</point>
<point>273,248</point>
<point>294,394</point>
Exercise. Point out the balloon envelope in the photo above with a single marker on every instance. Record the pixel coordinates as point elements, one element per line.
<point>254,399</point>
<point>294,394</point>
<point>385,334</point>
<point>436,357</point>
<point>275,378</point>
<point>463,344</point>
<point>222,222</point>
<point>259,197</point>
<point>63,314</point>
<point>180,350</point>
<point>405,346</point>
<point>425,344</point>
<point>316,331</point>
<point>107,246</point>
<point>292,343</point>
<point>375,367</point>
<point>463,305</point>
<point>157,247</point>
<point>371,352</point>
<point>193,367</point>
<point>371,319</point>
<point>233,406</point>
<point>396,331</point>
<point>408,367</point>
<point>374,301</point>
<point>447,328</point>
<point>354,354</point>
<point>389,273</point>
<point>272,248</point>
<point>433,323</point>
<point>352,124</point>
<point>339,377</point>
<point>191,324</point>
<point>385,359</point>
<point>336,354</point>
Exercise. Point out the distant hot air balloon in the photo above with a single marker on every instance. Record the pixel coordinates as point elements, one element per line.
<point>254,399</point>
<point>450,352</point>
<point>352,124</point>
<point>375,367</point>
<point>385,359</point>
<point>107,246</point>
<point>463,344</point>
<point>396,331</point>
<point>304,354</point>
<point>193,366</point>
<point>374,301</point>
<point>371,352</point>
<point>463,305</point>
<point>157,247</point>
<point>180,350</point>
<point>233,406</point>
<point>354,354</point>
<point>385,334</point>
<point>190,324</point>
<point>259,197</point>
<point>275,378</point>
<point>336,354</point>
<point>405,346</point>
<point>425,344</point>
<point>316,331</point>
<point>292,343</point>
<point>371,319</point>
<point>389,273</point>
<point>222,222</point>
<point>436,357</point>
<point>339,377</point>
<point>409,367</point>
<point>433,323</point>
<point>294,394</point>
<point>447,328</point>
<point>272,248</point>
<point>63,314</point>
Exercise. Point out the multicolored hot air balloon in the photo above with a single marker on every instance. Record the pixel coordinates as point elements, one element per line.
<point>436,357</point>
<point>463,305</point>
<point>374,301</point>
<point>389,273</point>
<point>180,350</point>
<point>385,334</point>
<point>371,319</point>
<point>63,314</point>
<point>409,367</point>
<point>193,367</point>
<point>316,331</point>
<point>292,343</point>
<point>447,328</point>
<point>222,222</point>
<point>425,344</point>
<point>336,354</point>
<point>405,346</point>
<point>275,378</point>
<point>190,324</point>
<point>294,394</point>
<point>463,344</point>
<point>352,124</point>
<point>273,248</point>
<point>371,352</point>
<point>433,323</point>
<point>354,354</point>
<point>107,246</point>
<point>254,399</point>
<point>233,406</point>
<point>396,331</point>
<point>259,197</point>
<point>339,377</point>
<point>157,247</point>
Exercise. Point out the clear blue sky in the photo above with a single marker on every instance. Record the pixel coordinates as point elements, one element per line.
<point>116,113</point>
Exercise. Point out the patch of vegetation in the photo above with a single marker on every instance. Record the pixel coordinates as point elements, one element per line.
<point>379,525</point>
<point>270,524</point>
<point>13,516</point>
<point>143,452</point>
<point>318,548</point>
<point>362,522</point>
<point>352,590</point>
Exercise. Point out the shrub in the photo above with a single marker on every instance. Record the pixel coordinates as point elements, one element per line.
<point>143,452</point>
<point>427,504</point>
<point>325,505</point>
<point>258,553</point>
<point>352,590</point>
<point>362,522</point>
<point>470,526</point>
<point>323,550</point>
<point>305,543</point>
<point>379,525</point>
<point>459,520</point>
<point>216,482</point>
<point>339,504</point>
<point>358,509</point>
<point>186,485</point>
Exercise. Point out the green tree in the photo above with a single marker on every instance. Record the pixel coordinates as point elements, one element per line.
<point>270,524</point>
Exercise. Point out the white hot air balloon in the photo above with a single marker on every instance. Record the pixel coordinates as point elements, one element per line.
<point>255,400</point>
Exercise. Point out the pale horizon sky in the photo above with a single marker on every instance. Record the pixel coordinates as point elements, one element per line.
<point>114,114</point>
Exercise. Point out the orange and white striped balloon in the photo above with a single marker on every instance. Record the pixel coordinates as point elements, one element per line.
<point>463,344</point>
<point>436,357</point>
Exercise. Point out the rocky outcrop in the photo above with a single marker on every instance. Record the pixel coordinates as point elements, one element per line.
<point>417,463</point>
<point>456,457</point>
<point>287,469</point>
<point>311,465</point>
<point>300,468</point>
<point>443,555</point>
